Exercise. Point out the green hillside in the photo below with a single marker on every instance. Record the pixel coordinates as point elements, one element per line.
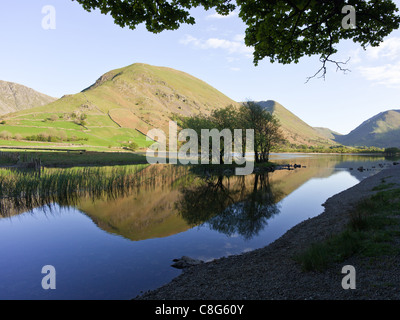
<point>382,130</point>
<point>119,108</point>
<point>328,133</point>
<point>295,130</point>
<point>116,112</point>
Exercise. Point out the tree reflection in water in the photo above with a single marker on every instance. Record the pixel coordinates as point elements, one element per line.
<point>236,205</point>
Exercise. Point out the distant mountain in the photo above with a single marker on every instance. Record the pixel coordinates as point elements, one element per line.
<point>327,133</point>
<point>295,130</point>
<point>15,97</point>
<point>382,130</point>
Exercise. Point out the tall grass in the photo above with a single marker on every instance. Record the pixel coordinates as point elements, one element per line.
<point>27,189</point>
<point>22,190</point>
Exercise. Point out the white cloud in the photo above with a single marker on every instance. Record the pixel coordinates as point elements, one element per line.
<point>380,65</point>
<point>389,49</point>
<point>239,37</point>
<point>355,56</point>
<point>231,59</point>
<point>388,74</point>
<point>231,46</point>
<point>188,39</point>
<point>220,16</point>
<point>211,28</point>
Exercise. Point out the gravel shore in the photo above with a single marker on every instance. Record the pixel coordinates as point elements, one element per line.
<point>270,273</point>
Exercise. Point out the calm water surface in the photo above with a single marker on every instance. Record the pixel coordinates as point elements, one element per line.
<point>115,249</point>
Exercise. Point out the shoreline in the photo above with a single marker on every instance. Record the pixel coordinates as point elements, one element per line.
<point>270,273</point>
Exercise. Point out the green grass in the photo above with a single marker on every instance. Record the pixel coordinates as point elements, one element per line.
<point>383,186</point>
<point>74,158</point>
<point>112,136</point>
<point>373,227</point>
<point>59,124</point>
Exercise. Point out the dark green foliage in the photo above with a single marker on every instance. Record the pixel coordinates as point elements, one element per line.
<point>249,116</point>
<point>282,30</point>
<point>220,119</point>
<point>285,31</point>
<point>392,151</point>
<point>157,15</point>
<point>266,126</point>
<point>286,147</point>
<point>133,146</point>
<point>44,137</point>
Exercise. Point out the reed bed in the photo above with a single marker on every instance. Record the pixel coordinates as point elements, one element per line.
<point>27,189</point>
<point>22,190</point>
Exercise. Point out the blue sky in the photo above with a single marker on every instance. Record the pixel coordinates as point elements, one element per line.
<point>84,45</point>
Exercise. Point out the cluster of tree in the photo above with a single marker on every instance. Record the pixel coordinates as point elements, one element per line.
<point>392,151</point>
<point>326,149</point>
<point>249,115</point>
<point>132,145</point>
<point>49,137</point>
<point>80,120</point>
<point>230,207</point>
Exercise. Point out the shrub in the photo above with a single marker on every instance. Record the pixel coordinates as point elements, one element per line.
<point>133,146</point>
<point>5,135</point>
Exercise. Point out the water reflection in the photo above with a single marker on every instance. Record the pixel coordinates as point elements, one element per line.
<point>230,205</point>
<point>172,199</point>
<point>116,245</point>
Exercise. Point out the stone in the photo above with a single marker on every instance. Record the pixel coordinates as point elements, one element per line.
<point>185,262</point>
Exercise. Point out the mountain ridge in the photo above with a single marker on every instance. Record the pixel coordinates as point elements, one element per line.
<point>381,130</point>
<point>124,103</point>
<point>295,130</point>
<point>16,97</point>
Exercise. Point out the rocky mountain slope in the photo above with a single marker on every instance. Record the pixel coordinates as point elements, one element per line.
<point>15,97</point>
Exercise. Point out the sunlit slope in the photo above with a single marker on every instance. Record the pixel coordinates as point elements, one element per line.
<point>120,107</point>
<point>382,130</point>
<point>295,130</point>
<point>145,213</point>
<point>327,133</point>
<point>144,97</point>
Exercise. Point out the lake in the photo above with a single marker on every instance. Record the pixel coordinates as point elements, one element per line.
<point>118,247</point>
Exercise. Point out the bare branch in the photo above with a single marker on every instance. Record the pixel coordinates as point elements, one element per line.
<point>323,68</point>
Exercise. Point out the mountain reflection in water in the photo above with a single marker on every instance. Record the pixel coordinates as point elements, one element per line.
<point>114,245</point>
<point>172,199</point>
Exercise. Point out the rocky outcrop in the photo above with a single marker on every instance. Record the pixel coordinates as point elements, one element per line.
<point>15,97</point>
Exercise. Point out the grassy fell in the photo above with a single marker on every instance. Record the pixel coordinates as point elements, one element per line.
<point>120,107</point>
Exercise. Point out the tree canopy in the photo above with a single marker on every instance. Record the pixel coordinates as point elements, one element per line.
<point>281,30</point>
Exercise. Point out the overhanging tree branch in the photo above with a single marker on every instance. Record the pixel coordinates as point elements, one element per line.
<point>281,30</point>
